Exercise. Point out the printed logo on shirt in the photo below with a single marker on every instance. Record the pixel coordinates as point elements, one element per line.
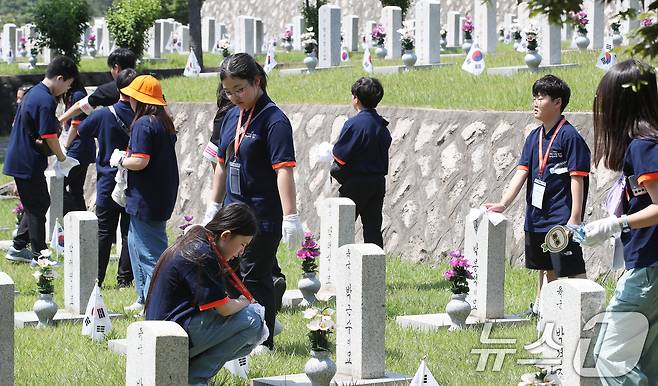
<point>555,154</point>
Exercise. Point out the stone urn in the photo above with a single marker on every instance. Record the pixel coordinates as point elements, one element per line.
<point>32,61</point>
<point>409,59</point>
<point>22,52</point>
<point>320,369</point>
<point>617,39</point>
<point>467,45</point>
<point>381,52</point>
<point>532,60</point>
<point>444,43</point>
<point>311,62</point>
<point>458,310</point>
<point>287,46</point>
<point>45,308</point>
<point>308,285</point>
<point>517,43</point>
<point>582,41</point>
<point>91,51</point>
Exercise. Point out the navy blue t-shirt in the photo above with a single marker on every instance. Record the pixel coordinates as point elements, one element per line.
<point>266,146</point>
<point>35,117</point>
<point>103,125</point>
<point>151,193</point>
<point>363,144</point>
<point>82,149</point>
<point>183,288</point>
<point>568,156</point>
<point>640,245</point>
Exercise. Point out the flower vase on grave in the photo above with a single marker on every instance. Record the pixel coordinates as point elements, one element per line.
<point>532,60</point>
<point>517,43</point>
<point>617,39</point>
<point>458,310</point>
<point>582,41</point>
<point>33,60</point>
<point>310,61</point>
<point>381,52</point>
<point>287,46</point>
<point>444,43</point>
<point>22,52</point>
<point>409,59</point>
<point>45,308</point>
<point>91,50</point>
<point>320,369</point>
<point>467,45</point>
<point>308,285</point>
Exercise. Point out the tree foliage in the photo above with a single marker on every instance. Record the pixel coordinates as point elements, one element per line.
<point>59,24</point>
<point>129,21</point>
<point>403,4</point>
<point>645,37</point>
<point>311,14</point>
<point>175,9</point>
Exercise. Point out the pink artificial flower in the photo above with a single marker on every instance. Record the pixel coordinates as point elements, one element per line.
<point>449,274</point>
<point>455,253</point>
<point>92,38</point>
<point>647,22</point>
<point>468,24</point>
<point>308,234</point>
<point>188,218</point>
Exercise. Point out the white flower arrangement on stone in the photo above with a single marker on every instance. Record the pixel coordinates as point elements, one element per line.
<point>307,39</point>
<point>44,273</point>
<point>531,33</point>
<point>320,324</point>
<point>408,39</point>
<point>515,31</point>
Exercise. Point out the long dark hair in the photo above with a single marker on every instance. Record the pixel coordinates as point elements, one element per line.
<point>238,218</point>
<point>157,112</point>
<point>243,66</point>
<point>625,107</point>
<point>75,86</point>
<point>223,104</point>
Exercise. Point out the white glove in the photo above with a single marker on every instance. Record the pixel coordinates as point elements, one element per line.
<point>597,232</point>
<point>116,157</point>
<point>211,211</point>
<point>62,168</point>
<point>324,152</point>
<point>292,231</point>
<point>119,195</point>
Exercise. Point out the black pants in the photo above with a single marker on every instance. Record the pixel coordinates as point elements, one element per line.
<point>74,194</point>
<point>108,219</point>
<point>367,192</point>
<point>36,200</point>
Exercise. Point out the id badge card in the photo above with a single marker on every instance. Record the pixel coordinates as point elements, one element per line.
<point>234,177</point>
<point>538,189</point>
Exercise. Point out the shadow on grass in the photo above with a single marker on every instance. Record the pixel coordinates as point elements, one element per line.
<point>435,285</point>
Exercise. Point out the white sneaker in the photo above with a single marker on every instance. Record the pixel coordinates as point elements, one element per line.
<point>260,350</point>
<point>278,328</point>
<point>135,307</point>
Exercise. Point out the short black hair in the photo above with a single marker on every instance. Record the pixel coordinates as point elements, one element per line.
<point>125,77</point>
<point>369,91</point>
<point>64,66</point>
<point>554,87</point>
<point>124,57</point>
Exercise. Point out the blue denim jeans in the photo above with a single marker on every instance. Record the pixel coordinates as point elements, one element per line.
<point>216,339</point>
<point>146,242</point>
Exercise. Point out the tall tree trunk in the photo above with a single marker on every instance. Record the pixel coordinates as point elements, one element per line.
<point>194,7</point>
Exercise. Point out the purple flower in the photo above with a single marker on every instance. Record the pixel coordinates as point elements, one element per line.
<point>648,22</point>
<point>308,235</point>
<point>188,218</point>
<point>449,274</point>
<point>455,253</point>
<point>183,226</point>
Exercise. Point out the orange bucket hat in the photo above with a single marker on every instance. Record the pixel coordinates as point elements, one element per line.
<point>146,89</point>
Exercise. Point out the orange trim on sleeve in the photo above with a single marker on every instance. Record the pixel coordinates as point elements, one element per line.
<point>46,136</point>
<point>220,159</point>
<point>647,177</point>
<point>220,302</point>
<point>141,155</point>
<point>340,161</point>
<point>76,122</point>
<point>522,167</point>
<point>578,173</point>
<point>289,164</point>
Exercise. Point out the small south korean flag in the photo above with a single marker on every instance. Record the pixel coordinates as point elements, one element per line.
<point>97,322</point>
<point>238,367</point>
<point>192,67</point>
<point>344,55</point>
<point>423,376</point>
<point>367,61</point>
<point>57,238</point>
<point>607,58</point>
<point>474,62</point>
<point>270,61</point>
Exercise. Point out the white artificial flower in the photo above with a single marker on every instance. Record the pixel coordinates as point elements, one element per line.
<point>327,312</point>
<point>327,324</point>
<point>46,253</point>
<point>313,325</point>
<point>37,274</point>
<point>310,313</point>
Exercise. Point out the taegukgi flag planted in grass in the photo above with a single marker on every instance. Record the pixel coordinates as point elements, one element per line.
<point>344,55</point>
<point>238,367</point>
<point>97,322</point>
<point>423,376</point>
<point>367,62</point>
<point>57,238</point>
<point>192,67</point>
<point>607,58</point>
<point>474,62</point>
<point>270,61</point>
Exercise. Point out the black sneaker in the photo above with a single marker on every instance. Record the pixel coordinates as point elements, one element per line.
<point>279,289</point>
<point>529,313</point>
<point>124,284</point>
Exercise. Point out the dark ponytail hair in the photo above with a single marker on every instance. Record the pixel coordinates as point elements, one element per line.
<point>238,218</point>
<point>154,112</point>
<point>243,66</point>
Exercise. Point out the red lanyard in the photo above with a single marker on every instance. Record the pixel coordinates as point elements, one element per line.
<point>241,131</point>
<point>235,280</point>
<point>543,159</point>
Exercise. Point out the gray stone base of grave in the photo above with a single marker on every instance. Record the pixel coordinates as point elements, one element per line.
<point>292,298</point>
<point>303,70</point>
<point>431,322</point>
<point>339,380</point>
<point>26,66</point>
<point>453,55</point>
<point>512,70</point>
<point>118,346</point>
<point>399,69</point>
<point>29,318</point>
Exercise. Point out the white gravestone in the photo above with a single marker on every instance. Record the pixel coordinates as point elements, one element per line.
<point>329,36</point>
<point>208,34</point>
<point>508,21</point>
<point>337,217</point>
<point>567,32</point>
<point>485,24</point>
<point>56,192</point>
<point>454,29</point>
<point>222,32</point>
<point>245,38</point>
<point>596,27</point>
<point>80,259</point>
<point>628,25</point>
<point>370,25</point>
<point>6,330</point>
<point>392,21</point>
<point>260,34</point>
<point>167,31</point>
<point>566,306</point>
<point>522,15</point>
<point>8,39</point>
<point>428,31</point>
<point>184,35</point>
<point>155,43</point>
<point>157,354</point>
<point>351,25</point>
<point>550,47</point>
<point>298,28</point>
<point>361,311</point>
